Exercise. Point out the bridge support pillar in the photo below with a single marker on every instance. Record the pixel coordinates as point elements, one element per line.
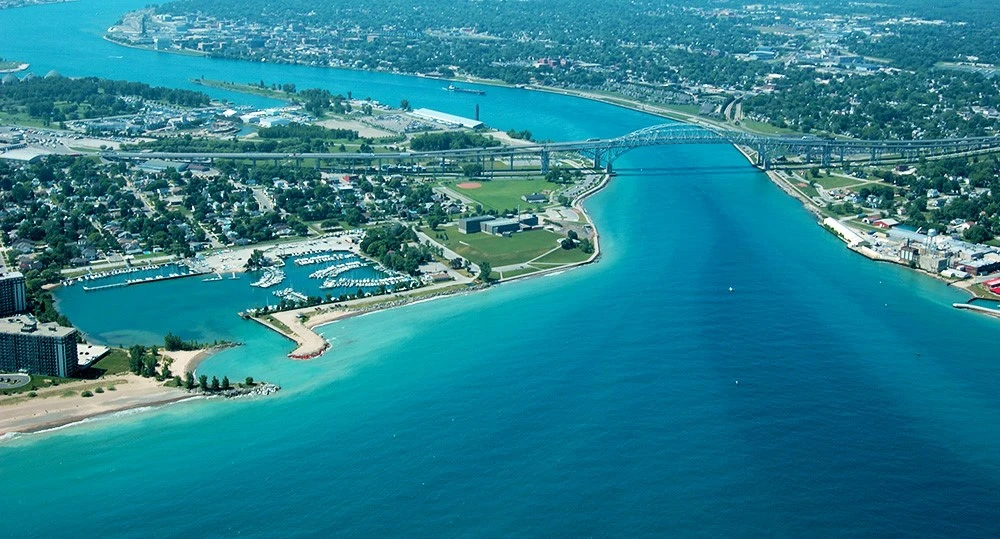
<point>512,162</point>
<point>545,161</point>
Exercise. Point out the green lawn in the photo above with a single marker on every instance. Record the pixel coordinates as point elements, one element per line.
<point>835,182</point>
<point>563,256</point>
<point>116,362</point>
<point>497,250</point>
<point>500,194</point>
<point>805,188</point>
<point>516,273</point>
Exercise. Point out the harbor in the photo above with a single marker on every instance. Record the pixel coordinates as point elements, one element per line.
<point>132,275</point>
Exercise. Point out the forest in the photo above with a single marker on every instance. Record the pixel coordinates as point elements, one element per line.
<point>57,98</point>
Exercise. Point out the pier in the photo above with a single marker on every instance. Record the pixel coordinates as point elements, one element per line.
<point>130,282</point>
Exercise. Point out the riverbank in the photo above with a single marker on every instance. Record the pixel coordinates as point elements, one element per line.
<point>781,179</point>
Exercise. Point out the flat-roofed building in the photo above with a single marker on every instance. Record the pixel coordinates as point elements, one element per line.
<point>498,227</point>
<point>471,225</point>
<point>13,297</point>
<point>37,348</point>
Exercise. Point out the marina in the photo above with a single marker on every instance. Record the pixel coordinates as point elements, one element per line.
<point>271,277</point>
<point>291,294</point>
<point>333,271</point>
<point>132,275</point>
<point>321,259</point>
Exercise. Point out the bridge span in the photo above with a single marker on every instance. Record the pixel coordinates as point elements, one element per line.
<point>765,150</point>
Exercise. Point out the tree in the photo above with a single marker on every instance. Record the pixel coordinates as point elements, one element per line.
<point>203,382</point>
<point>249,380</point>
<point>225,382</point>
<point>572,235</point>
<point>215,383</point>
<point>188,380</point>
<point>405,105</point>
<point>172,342</point>
<point>472,170</point>
<point>149,367</point>
<point>978,234</point>
<point>135,354</point>
<point>256,260</point>
<point>484,271</point>
<point>434,221</point>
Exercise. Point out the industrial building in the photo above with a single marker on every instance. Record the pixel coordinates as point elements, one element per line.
<point>471,225</point>
<point>29,346</point>
<point>499,227</point>
<point>13,297</point>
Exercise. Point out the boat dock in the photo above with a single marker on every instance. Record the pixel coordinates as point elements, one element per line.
<point>272,276</point>
<point>143,280</point>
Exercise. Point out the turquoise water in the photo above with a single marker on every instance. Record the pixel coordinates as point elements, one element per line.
<point>602,401</point>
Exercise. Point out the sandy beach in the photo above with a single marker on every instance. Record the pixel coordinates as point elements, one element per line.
<point>62,405</point>
<point>186,360</point>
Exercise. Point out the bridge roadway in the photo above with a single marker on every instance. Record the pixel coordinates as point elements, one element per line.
<point>766,149</point>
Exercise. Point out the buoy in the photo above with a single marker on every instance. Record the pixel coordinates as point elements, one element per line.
<point>730,289</point>
<point>737,382</point>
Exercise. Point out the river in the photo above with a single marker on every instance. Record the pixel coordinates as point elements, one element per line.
<point>601,401</point>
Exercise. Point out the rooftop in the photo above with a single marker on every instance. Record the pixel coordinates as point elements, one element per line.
<point>24,323</point>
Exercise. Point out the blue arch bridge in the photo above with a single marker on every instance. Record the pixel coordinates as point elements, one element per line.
<point>765,151</point>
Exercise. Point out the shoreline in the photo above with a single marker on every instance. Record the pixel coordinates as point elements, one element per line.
<point>21,67</point>
<point>662,111</point>
<point>60,424</point>
<point>811,207</point>
<point>312,345</point>
<point>60,406</point>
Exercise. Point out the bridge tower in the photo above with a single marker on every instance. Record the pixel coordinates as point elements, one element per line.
<point>545,161</point>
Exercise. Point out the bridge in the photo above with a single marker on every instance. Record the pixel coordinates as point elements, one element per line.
<point>765,150</point>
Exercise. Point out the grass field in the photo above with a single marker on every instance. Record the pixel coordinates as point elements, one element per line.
<point>835,182</point>
<point>765,129</point>
<point>805,188</point>
<point>517,272</point>
<point>499,251</point>
<point>116,362</point>
<point>563,256</point>
<point>500,195</point>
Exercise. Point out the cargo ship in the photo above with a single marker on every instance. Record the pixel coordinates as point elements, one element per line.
<point>453,88</point>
